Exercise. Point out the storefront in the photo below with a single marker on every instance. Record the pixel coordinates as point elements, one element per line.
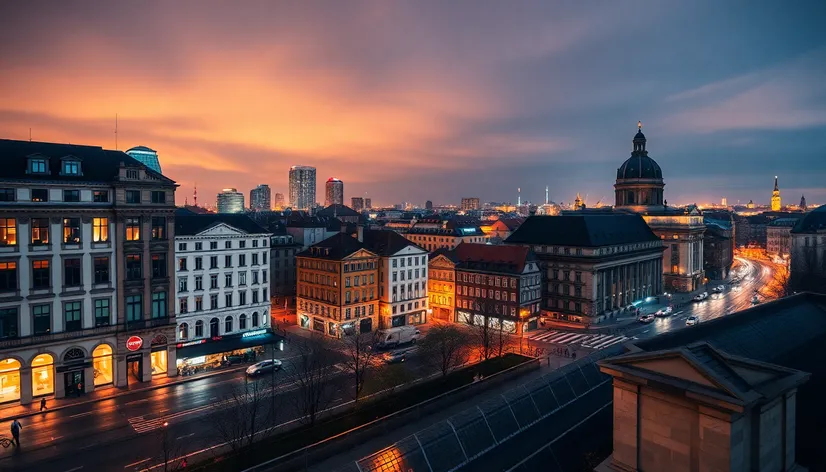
<point>219,351</point>
<point>9,380</point>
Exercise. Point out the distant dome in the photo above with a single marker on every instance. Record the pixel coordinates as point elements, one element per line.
<point>813,221</point>
<point>639,166</point>
<point>141,149</point>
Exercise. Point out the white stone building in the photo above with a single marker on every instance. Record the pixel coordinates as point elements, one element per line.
<point>402,278</point>
<point>222,285</point>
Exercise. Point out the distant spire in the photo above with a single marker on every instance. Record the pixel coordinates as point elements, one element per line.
<point>195,195</point>
<point>546,195</point>
<point>775,184</point>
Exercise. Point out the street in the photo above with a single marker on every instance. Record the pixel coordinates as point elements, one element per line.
<point>756,275</point>
<point>125,433</point>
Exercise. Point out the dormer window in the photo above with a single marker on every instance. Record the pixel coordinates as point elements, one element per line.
<point>37,165</point>
<point>70,167</point>
<point>132,174</point>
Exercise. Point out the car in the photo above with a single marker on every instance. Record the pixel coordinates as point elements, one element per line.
<point>699,297</point>
<point>692,320</point>
<point>395,357</point>
<point>718,289</point>
<point>645,318</point>
<point>665,311</point>
<point>264,367</point>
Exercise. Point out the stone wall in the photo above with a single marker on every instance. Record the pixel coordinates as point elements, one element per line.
<point>625,423</point>
<point>771,437</point>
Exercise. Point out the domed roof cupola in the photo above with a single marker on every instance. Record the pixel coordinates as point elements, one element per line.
<point>639,179</point>
<point>639,165</point>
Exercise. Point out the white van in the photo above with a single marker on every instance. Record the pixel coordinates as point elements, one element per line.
<point>393,337</point>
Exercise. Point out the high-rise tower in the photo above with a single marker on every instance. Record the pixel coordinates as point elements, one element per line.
<point>334,192</point>
<point>776,196</point>
<point>260,198</point>
<point>302,187</point>
<point>230,201</point>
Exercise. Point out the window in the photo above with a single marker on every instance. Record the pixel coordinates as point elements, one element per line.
<point>100,230</point>
<point>213,262</point>
<point>158,227</point>
<point>199,263</point>
<point>213,281</point>
<point>228,245</point>
<point>242,278</point>
<point>199,246</point>
<point>182,284</point>
<point>213,301</point>
<point>71,167</point>
<point>199,282</point>
<point>264,276</point>
<point>255,259</point>
<point>71,195</point>
<point>227,261</point>
<point>133,196</point>
<point>102,312</point>
<point>8,323</point>
<point>242,260</point>
<point>71,230</point>
<point>242,321</point>
<point>8,276</point>
<point>37,166</point>
<point>228,300</point>
<point>8,232</point>
<point>181,264</point>
<point>254,243</point>
<point>255,320</point>
<point>242,244</point>
<point>134,271</point>
<point>158,196</point>
<point>182,246</point>
<point>199,303</point>
<point>228,279</point>
<point>41,275</point>
<point>40,195</point>
<point>183,305</point>
<point>133,229</point>
<point>254,277</point>
<point>242,297</point>
<point>100,196</point>
<point>159,266</point>
<point>71,273</point>
<point>42,319</point>
<point>255,296</point>
<point>228,324</point>
<point>72,315</point>
<point>213,245</point>
<point>199,329</point>
<point>40,231</point>
<point>183,332</point>
<point>132,174</point>
<point>159,308</point>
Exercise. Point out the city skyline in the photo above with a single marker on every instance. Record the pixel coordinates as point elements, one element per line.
<point>522,97</point>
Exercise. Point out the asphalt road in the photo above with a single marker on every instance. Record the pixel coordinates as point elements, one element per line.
<point>126,433</point>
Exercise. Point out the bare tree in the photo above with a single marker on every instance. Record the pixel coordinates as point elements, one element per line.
<point>780,285</point>
<point>445,347</point>
<point>170,451</point>
<point>483,336</point>
<point>243,416</point>
<point>360,358</point>
<point>311,370</point>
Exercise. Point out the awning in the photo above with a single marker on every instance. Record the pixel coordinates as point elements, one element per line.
<point>249,339</point>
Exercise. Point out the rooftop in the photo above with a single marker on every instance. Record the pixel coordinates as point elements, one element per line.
<point>337,210</point>
<point>386,243</point>
<point>585,230</point>
<point>814,220</point>
<point>191,224</point>
<point>336,247</point>
<point>509,259</point>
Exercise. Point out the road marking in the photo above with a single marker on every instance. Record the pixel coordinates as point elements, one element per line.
<point>139,462</point>
<point>647,330</point>
<point>137,401</point>
<point>76,468</point>
<point>185,436</point>
<point>81,414</point>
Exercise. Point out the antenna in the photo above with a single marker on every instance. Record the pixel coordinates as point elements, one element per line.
<point>116,131</point>
<point>30,135</point>
<point>195,195</point>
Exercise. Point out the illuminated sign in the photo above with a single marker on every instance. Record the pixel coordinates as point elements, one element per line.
<point>134,343</point>
<point>467,230</point>
<point>257,332</point>
<point>191,343</point>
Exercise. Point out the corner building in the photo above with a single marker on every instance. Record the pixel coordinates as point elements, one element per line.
<point>337,284</point>
<point>72,218</point>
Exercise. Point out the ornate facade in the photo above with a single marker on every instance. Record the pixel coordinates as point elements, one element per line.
<point>640,189</point>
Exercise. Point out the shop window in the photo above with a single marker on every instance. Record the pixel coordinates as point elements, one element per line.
<point>183,332</point>
<point>228,324</point>
<point>242,322</point>
<point>102,363</point>
<point>159,362</point>
<point>9,380</point>
<point>199,329</point>
<point>42,375</point>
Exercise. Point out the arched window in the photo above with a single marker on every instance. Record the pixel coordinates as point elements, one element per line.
<point>183,332</point>
<point>213,328</point>
<point>43,375</point>
<point>10,380</point>
<point>228,324</point>
<point>255,319</point>
<point>102,362</point>
<point>242,322</point>
<point>199,329</point>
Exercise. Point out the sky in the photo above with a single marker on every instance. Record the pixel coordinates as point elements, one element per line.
<point>432,100</point>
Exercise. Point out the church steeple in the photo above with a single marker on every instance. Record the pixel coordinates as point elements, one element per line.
<point>775,184</point>
<point>776,196</point>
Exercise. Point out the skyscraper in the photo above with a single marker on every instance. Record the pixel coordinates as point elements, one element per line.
<point>230,200</point>
<point>470,203</point>
<point>357,203</point>
<point>302,187</point>
<point>260,198</point>
<point>776,196</point>
<point>146,156</point>
<point>368,203</point>
<point>334,191</point>
<point>279,201</point>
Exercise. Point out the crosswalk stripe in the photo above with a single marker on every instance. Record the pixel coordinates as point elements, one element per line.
<point>542,335</point>
<point>596,340</point>
<point>611,342</point>
<point>574,339</point>
<point>562,337</point>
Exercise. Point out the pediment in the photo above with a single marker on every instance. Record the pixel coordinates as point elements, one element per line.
<point>441,261</point>
<point>221,229</point>
<point>361,253</point>
<point>677,367</point>
<point>410,250</point>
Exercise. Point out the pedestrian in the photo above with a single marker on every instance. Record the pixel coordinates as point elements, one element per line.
<point>43,404</point>
<point>15,432</point>
<point>79,388</point>
<point>573,355</point>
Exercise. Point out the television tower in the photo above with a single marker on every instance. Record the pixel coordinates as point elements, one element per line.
<point>519,198</point>
<point>546,195</point>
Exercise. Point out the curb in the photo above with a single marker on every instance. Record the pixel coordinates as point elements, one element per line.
<point>122,393</point>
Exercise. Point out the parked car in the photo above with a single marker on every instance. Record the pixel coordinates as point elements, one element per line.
<point>395,357</point>
<point>692,320</point>
<point>664,311</point>
<point>645,318</point>
<point>263,367</point>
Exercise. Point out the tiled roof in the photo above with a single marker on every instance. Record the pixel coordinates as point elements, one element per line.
<point>510,259</point>
<point>337,210</point>
<point>385,243</point>
<point>336,247</point>
<point>586,230</point>
<point>97,164</point>
<point>813,221</point>
<point>190,224</point>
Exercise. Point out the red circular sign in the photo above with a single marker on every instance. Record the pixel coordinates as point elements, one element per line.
<point>134,343</point>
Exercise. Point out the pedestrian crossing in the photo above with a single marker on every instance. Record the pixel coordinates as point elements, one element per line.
<point>590,341</point>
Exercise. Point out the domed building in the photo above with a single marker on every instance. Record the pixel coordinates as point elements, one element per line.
<point>640,189</point>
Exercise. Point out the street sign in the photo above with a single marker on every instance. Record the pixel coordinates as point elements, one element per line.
<point>134,343</point>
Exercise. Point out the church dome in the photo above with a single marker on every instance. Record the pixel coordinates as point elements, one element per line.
<point>814,221</point>
<point>639,165</point>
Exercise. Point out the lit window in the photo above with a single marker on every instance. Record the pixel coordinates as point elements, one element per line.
<point>133,229</point>
<point>40,231</point>
<point>8,232</point>
<point>37,166</point>
<point>100,230</point>
<point>71,168</point>
<point>71,230</point>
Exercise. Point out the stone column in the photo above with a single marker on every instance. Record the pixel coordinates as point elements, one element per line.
<point>121,370</point>
<point>146,367</point>
<point>89,379</point>
<point>25,385</point>
<point>171,359</point>
<point>59,387</point>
